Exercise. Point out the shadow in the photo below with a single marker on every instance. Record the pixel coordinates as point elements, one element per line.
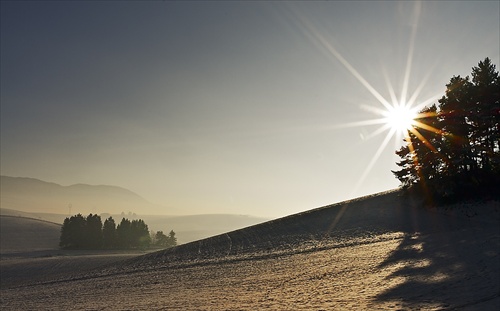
<point>448,263</point>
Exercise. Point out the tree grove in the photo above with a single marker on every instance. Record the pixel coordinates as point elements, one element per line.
<point>454,148</point>
<point>79,232</point>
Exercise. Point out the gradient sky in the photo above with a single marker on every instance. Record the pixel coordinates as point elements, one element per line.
<point>225,107</point>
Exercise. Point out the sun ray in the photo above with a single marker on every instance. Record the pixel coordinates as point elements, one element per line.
<point>423,140</point>
<point>412,151</point>
<point>355,73</point>
<point>319,40</point>
<point>392,93</point>
<point>373,109</point>
<point>378,131</point>
<point>361,123</point>
<point>427,127</point>
<point>374,159</point>
<point>411,49</point>
<point>426,102</point>
<point>397,140</point>
<point>420,87</point>
<point>429,114</point>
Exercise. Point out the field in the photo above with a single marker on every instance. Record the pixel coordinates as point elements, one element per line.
<point>377,253</point>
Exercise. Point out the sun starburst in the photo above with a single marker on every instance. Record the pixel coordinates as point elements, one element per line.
<point>398,117</point>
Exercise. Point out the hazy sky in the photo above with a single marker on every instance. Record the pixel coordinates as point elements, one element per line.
<point>234,107</point>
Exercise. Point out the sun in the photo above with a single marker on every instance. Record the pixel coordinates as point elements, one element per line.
<point>400,117</point>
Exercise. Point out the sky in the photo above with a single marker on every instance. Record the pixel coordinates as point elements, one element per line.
<point>255,108</point>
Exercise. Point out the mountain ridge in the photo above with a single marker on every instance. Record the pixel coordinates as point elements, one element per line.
<point>39,182</point>
<point>35,195</point>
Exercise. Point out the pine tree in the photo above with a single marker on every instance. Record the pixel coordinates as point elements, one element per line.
<point>93,232</point>
<point>160,239</point>
<point>485,114</point>
<point>73,232</point>
<point>65,239</point>
<point>455,109</point>
<point>124,234</point>
<point>139,234</point>
<point>109,237</point>
<point>172,240</point>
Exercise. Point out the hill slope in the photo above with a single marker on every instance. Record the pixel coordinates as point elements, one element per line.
<point>359,219</point>
<point>27,234</point>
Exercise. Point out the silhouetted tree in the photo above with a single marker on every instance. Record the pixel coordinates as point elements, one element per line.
<point>485,115</point>
<point>160,239</point>
<point>65,240</point>
<point>109,237</point>
<point>93,232</point>
<point>79,232</point>
<point>139,234</point>
<point>73,232</point>
<point>133,234</point>
<point>172,240</point>
<point>124,234</point>
<point>455,109</point>
<point>456,147</point>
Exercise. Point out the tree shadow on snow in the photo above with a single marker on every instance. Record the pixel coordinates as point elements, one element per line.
<point>445,262</point>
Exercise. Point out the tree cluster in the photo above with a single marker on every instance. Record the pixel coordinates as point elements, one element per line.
<point>453,150</point>
<point>79,232</point>
<point>159,239</point>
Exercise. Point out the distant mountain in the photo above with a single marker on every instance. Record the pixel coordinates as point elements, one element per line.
<point>33,195</point>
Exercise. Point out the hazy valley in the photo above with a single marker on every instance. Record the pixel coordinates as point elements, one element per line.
<point>32,198</point>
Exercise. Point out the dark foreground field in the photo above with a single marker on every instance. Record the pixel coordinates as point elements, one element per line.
<point>382,252</point>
